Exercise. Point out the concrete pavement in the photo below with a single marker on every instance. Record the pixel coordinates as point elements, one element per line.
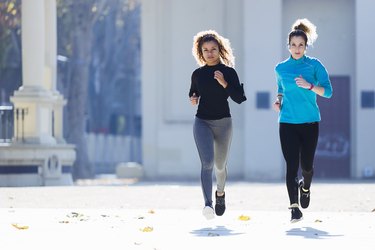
<point>143,215</point>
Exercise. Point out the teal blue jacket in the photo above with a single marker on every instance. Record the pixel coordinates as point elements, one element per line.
<point>298,104</point>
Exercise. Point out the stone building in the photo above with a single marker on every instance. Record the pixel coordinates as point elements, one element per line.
<point>258,33</point>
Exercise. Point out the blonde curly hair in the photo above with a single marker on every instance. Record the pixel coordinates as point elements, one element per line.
<point>225,50</point>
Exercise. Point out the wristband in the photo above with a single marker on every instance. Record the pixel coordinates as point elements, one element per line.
<point>311,86</point>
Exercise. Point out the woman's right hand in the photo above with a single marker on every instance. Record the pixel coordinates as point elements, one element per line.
<point>276,106</point>
<point>194,99</point>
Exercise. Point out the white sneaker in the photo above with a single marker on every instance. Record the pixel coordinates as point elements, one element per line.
<point>208,212</point>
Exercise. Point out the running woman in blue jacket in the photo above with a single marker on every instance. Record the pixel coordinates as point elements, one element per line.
<point>300,79</point>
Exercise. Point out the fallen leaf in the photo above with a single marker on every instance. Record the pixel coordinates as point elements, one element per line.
<point>78,216</point>
<point>318,221</point>
<point>74,215</point>
<point>147,229</point>
<point>244,217</point>
<point>151,211</point>
<point>20,227</point>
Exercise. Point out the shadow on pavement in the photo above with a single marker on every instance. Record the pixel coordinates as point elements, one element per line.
<point>311,233</point>
<point>214,231</point>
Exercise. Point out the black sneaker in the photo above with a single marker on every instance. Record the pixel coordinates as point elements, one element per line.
<point>304,197</point>
<point>296,215</point>
<point>220,204</point>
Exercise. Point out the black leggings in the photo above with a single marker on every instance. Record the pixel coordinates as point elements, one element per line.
<point>298,144</point>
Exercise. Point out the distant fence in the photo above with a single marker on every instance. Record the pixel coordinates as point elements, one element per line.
<point>6,123</point>
<point>106,151</point>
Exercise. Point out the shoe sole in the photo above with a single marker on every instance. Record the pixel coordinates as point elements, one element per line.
<point>296,220</point>
<point>208,213</point>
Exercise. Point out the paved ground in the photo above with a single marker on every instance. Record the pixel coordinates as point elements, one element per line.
<point>167,216</point>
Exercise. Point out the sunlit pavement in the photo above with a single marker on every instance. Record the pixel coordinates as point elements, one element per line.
<point>168,216</point>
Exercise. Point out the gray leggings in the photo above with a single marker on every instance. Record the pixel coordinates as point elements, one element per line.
<point>213,139</point>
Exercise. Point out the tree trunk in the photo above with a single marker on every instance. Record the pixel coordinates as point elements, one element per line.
<point>77,96</point>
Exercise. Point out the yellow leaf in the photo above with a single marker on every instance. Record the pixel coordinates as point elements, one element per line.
<point>20,227</point>
<point>10,7</point>
<point>147,229</point>
<point>244,217</point>
<point>151,211</point>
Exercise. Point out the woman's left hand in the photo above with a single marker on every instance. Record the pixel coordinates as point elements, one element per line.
<point>220,78</point>
<point>302,83</point>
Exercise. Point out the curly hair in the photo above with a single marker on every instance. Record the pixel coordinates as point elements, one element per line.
<point>225,50</point>
<point>306,29</point>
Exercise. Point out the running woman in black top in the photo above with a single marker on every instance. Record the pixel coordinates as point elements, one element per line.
<point>211,85</point>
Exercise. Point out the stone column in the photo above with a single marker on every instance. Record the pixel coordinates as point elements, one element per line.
<point>51,69</point>
<point>38,155</point>
<point>364,117</point>
<point>34,100</point>
<point>263,158</point>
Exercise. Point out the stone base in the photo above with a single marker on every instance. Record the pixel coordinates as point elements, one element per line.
<point>129,170</point>
<point>36,165</point>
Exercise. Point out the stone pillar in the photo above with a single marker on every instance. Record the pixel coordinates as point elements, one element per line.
<point>34,100</point>
<point>364,117</point>
<point>51,70</point>
<point>58,118</point>
<point>38,154</point>
<point>50,44</point>
<point>263,159</point>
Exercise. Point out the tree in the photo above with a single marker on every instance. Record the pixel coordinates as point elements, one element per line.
<point>89,33</point>
<point>76,29</point>
<point>97,37</point>
<point>115,67</point>
<point>10,48</point>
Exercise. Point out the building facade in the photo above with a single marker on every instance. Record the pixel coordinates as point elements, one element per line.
<point>258,33</point>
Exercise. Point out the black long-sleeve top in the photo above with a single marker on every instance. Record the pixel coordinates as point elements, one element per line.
<point>213,102</point>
